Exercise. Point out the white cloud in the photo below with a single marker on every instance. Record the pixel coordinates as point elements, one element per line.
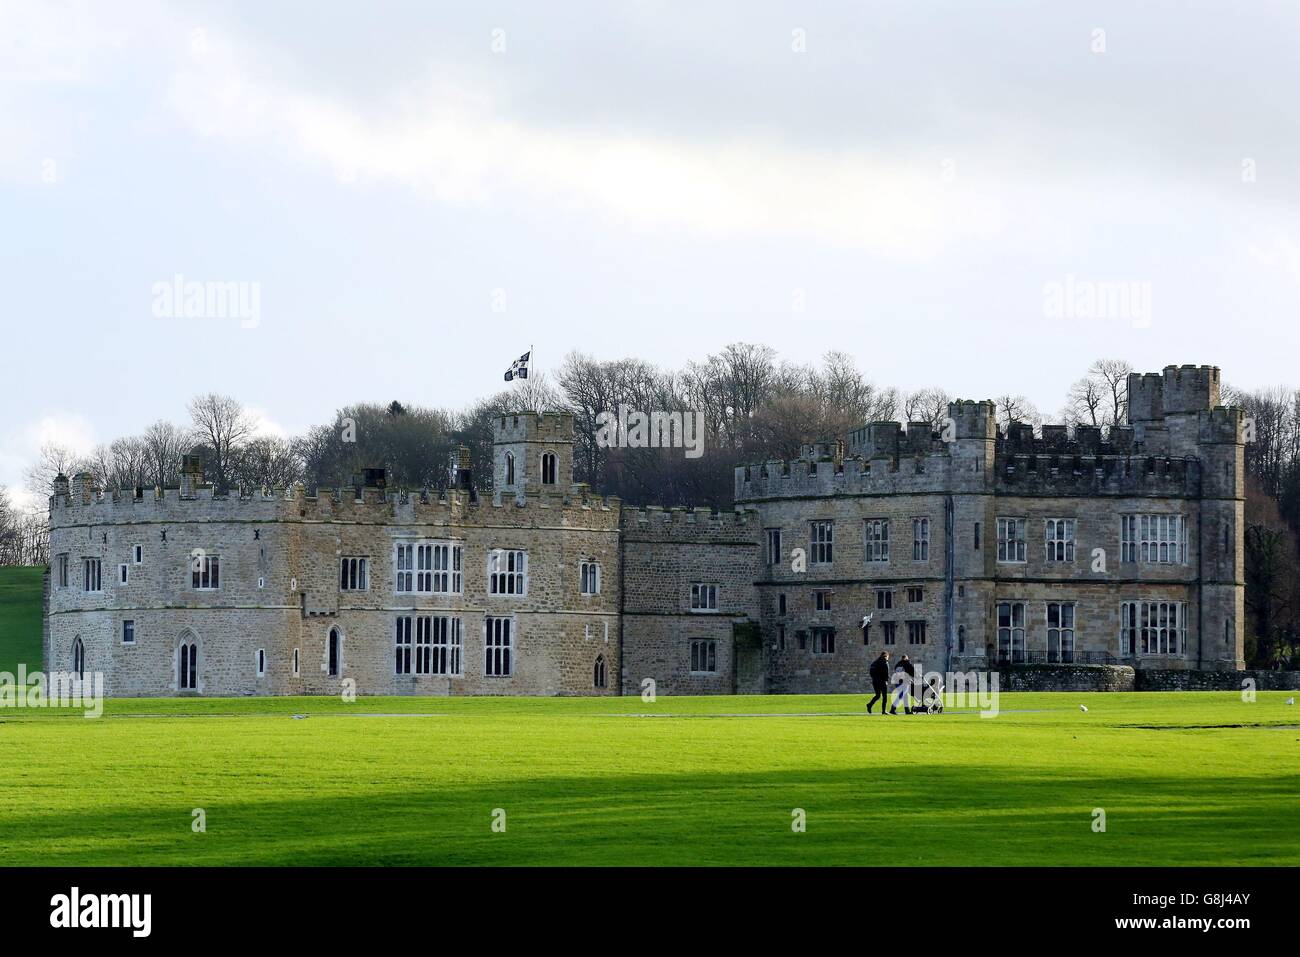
<point>454,146</point>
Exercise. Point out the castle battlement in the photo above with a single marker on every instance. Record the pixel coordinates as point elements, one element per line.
<point>702,525</point>
<point>349,504</point>
<point>533,427</point>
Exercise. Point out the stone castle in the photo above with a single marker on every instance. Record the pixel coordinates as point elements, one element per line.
<point>965,547</point>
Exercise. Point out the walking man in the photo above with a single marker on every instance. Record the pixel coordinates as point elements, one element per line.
<point>904,673</point>
<point>879,672</point>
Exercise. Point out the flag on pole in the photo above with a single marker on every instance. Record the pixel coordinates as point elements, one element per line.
<point>519,368</point>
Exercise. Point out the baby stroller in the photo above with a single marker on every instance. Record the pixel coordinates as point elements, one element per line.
<point>931,698</point>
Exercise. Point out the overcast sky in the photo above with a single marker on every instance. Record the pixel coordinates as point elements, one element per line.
<point>422,190</point>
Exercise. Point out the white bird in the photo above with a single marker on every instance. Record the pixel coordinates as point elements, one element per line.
<point>1083,707</point>
<point>866,619</point>
<point>299,717</point>
<point>1290,700</point>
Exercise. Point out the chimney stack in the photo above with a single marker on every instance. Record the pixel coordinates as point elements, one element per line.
<point>191,475</point>
<point>459,474</point>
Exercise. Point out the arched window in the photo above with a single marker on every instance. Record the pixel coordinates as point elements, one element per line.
<point>188,665</point>
<point>510,468</point>
<point>599,672</point>
<point>78,659</point>
<point>335,652</point>
<point>548,468</point>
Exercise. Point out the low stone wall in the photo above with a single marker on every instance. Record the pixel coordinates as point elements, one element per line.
<point>1066,678</point>
<point>1161,680</point>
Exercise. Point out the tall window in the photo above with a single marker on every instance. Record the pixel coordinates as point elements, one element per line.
<point>78,658</point>
<point>188,661</point>
<point>295,662</point>
<point>1059,536</point>
<point>123,573</point>
<point>920,539</point>
<point>447,646</point>
<point>261,662</point>
<point>61,566</point>
<point>510,468</point>
<point>877,541</point>
<point>447,575</point>
<point>916,632</point>
<point>497,645</point>
<point>1151,627</point>
<point>598,672</point>
<point>915,593</point>
<point>92,570</point>
<point>423,644</point>
<point>1060,631</point>
<point>402,644</point>
<point>137,554</point>
<point>354,574</point>
<point>823,640</point>
<point>590,575</point>
<point>405,565</point>
<point>128,631</point>
<point>1011,539</point>
<point>822,540</point>
<point>890,630</point>
<point>1153,539</point>
<point>780,603</point>
<point>884,598</point>
<point>704,597</point>
<point>1011,630</point>
<point>335,653</point>
<point>507,572</point>
<point>821,601</point>
<point>704,656</point>
<point>205,572</point>
<point>774,546</point>
<point>548,468</point>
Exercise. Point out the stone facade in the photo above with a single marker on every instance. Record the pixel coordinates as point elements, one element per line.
<point>960,569</point>
<point>940,537</point>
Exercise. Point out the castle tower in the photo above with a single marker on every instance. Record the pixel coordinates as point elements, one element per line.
<point>1221,447</point>
<point>531,452</point>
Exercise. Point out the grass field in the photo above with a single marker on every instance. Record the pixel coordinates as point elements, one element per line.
<point>1185,779</point>
<point>20,617</point>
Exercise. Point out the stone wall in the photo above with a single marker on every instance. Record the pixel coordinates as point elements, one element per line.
<point>1161,680</point>
<point>279,591</point>
<point>1066,678</point>
<point>665,552</point>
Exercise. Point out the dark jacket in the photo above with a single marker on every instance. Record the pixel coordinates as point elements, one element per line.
<point>879,672</point>
<point>908,667</point>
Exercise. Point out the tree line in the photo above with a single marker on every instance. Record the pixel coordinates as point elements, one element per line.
<point>751,405</point>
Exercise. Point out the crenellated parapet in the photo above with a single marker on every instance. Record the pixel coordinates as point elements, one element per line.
<point>703,525</point>
<point>1073,475</point>
<point>83,504</point>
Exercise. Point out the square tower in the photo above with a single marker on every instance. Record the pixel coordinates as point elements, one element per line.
<point>531,452</point>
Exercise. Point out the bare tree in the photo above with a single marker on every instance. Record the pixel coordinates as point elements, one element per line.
<point>164,445</point>
<point>52,461</point>
<point>222,425</point>
<point>1112,378</point>
<point>267,462</point>
<point>1016,408</point>
<point>927,405</point>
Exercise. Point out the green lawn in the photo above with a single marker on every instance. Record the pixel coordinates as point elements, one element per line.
<point>20,617</point>
<point>1185,779</point>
